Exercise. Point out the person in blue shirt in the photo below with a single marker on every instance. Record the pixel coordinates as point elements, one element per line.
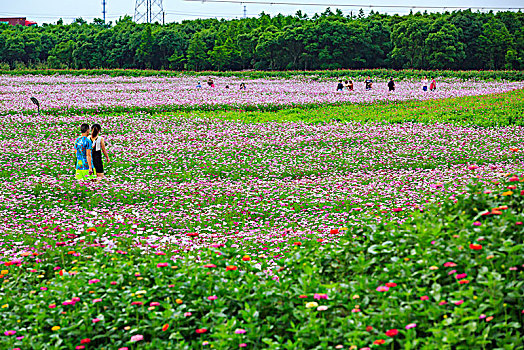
<point>83,147</point>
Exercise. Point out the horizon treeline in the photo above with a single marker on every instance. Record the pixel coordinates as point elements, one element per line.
<point>460,40</point>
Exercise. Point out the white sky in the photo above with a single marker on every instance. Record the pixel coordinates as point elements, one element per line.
<point>49,11</point>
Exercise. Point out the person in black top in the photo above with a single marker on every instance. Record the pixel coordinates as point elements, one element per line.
<point>340,86</point>
<point>391,85</point>
<point>369,83</point>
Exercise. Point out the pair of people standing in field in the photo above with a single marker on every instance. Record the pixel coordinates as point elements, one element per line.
<point>88,149</point>
<point>432,86</point>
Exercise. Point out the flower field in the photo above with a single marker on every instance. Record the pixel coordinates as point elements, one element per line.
<point>396,224</point>
<point>94,92</point>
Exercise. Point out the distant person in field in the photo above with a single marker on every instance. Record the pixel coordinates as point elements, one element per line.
<point>369,83</point>
<point>211,83</point>
<point>425,84</point>
<point>198,85</point>
<point>433,85</point>
<point>99,147</point>
<point>340,86</point>
<point>227,86</point>
<point>82,148</point>
<point>350,85</point>
<point>242,86</point>
<point>391,85</point>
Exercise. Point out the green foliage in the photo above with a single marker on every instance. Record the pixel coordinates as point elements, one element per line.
<point>330,40</point>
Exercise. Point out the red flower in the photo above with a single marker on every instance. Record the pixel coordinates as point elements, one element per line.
<point>396,210</point>
<point>334,231</point>
<point>85,341</point>
<point>161,265</point>
<point>136,303</point>
<point>369,328</point>
<point>463,281</point>
<point>302,296</point>
<point>475,246</point>
<point>231,268</point>
<point>379,342</point>
<point>61,272</point>
<point>194,234</point>
<point>297,243</point>
<point>165,327</point>
<point>391,284</point>
<point>91,229</point>
<point>201,330</point>
<point>392,332</point>
<point>209,265</point>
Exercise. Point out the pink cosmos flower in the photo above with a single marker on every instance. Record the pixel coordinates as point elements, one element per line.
<point>443,302</point>
<point>154,303</point>
<point>212,297</point>
<point>240,331</point>
<point>460,302</point>
<point>187,314</point>
<point>460,276</point>
<point>161,264</point>
<point>382,289</point>
<point>137,337</point>
<point>424,297</point>
<point>411,325</point>
<point>477,223</point>
<point>97,300</point>
<point>242,345</point>
<point>10,333</point>
<point>319,296</point>
<point>96,320</point>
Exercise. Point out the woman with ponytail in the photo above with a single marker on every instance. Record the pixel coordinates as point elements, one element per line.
<point>99,147</point>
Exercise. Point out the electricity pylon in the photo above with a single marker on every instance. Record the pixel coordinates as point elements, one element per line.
<point>148,11</point>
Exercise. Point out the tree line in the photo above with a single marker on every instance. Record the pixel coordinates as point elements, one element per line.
<point>459,40</point>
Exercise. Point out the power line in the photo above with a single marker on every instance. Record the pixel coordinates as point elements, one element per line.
<point>356,5</point>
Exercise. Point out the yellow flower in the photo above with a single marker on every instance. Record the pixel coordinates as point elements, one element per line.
<point>40,276</point>
<point>4,306</point>
<point>445,316</point>
<point>55,328</point>
<point>4,272</point>
<point>179,301</point>
<point>406,259</point>
<point>311,304</point>
<point>140,278</point>
<point>507,193</point>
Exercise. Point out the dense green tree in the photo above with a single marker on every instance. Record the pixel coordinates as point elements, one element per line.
<point>328,40</point>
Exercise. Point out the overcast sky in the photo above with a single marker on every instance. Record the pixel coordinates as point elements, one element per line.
<point>49,11</point>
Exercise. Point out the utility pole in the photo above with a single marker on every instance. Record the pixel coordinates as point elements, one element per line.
<point>245,13</point>
<point>104,10</point>
<point>163,18</point>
